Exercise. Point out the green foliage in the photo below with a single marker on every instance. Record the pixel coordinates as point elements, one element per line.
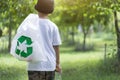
<point>13,12</point>
<point>71,13</point>
<point>104,8</point>
<point>81,12</point>
<point>111,63</point>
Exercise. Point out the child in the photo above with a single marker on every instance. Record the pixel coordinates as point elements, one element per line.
<point>45,70</point>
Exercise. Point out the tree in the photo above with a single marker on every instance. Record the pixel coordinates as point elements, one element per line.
<point>12,12</point>
<point>0,32</point>
<point>108,7</point>
<point>79,12</point>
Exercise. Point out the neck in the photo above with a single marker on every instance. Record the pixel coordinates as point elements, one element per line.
<point>42,15</point>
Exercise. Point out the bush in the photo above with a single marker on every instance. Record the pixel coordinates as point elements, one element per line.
<point>88,47</point>
<point>111,63</point>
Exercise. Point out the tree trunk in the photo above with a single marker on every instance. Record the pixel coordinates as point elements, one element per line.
<point>9,45</point>
<point>0,32</point>
<point>84,42</point>
<point>73,34</point>
<point>117,33</point>
<point>10,33</point>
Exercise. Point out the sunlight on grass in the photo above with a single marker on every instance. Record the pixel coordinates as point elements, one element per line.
<point>75,66</point>
<point>12,69</point>
<point>84,67</point>
<point>81,56</point>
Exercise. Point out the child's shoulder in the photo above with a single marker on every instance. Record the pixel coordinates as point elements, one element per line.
<point>32,16</point>
<point>52,23</point>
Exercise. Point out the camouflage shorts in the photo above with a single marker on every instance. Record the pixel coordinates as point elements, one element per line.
<point>41,75</point>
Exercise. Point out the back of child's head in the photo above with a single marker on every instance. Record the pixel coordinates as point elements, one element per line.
<point>45,6</point>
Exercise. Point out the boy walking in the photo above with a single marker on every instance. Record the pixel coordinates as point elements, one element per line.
<point>45,70</point>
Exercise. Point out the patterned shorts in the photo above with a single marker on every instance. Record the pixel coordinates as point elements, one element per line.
<point>41,75</point>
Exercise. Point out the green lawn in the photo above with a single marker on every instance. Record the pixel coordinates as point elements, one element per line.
<point>75,65</point>
<point>12,69</point>
<point>85,66</point>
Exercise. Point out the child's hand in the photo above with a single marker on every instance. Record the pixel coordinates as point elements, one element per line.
<point>58,69</point>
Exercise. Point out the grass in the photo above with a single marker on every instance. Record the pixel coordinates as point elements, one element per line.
<point>12,69</point>
<point>85,67</point>
<point>75,65</point>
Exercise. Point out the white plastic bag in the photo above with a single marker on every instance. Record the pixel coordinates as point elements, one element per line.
<point>27,43</point>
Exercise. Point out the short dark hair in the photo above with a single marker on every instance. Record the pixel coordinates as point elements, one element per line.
<point>45,6</point>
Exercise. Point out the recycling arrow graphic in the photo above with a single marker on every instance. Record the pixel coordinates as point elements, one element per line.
<point>24,48</point>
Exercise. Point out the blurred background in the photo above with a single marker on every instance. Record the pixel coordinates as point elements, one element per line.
<point>90,32</point>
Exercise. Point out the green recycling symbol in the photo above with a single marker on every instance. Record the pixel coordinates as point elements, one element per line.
<point>24,48</point>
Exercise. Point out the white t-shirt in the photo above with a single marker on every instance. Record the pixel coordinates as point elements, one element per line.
<point>50,37</point>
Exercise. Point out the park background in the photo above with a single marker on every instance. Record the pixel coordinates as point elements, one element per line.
<point>90,35</point>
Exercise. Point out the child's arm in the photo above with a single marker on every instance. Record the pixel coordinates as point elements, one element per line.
<point>58,68</point>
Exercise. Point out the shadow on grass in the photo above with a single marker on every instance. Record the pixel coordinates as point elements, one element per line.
<point>71,50</point>
<point>66,49</point>
<point>78,48</point>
